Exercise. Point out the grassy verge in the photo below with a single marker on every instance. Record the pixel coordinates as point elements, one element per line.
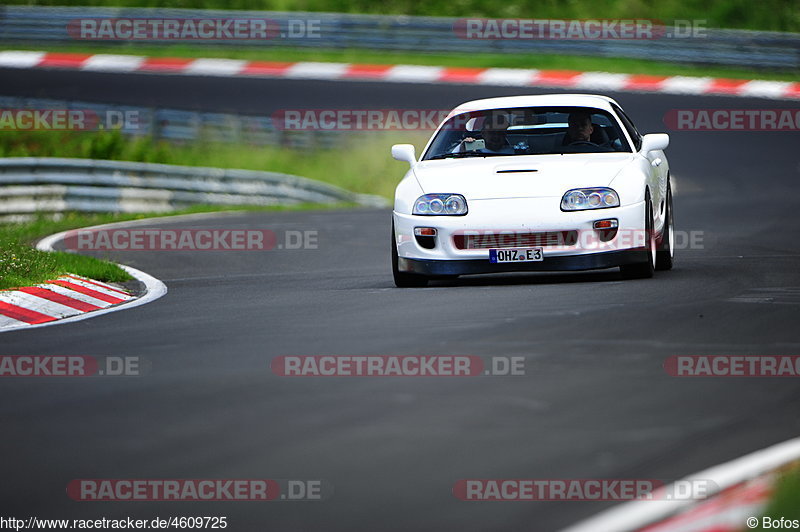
<point>22,265</point>
<point>781,15</point>
<point>537,61</point>
<point>785,501</point>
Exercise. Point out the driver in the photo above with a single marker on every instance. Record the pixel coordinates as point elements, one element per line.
<point>579,127</point>
<point>493,133</point>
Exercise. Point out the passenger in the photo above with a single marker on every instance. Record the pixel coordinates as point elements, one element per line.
<point>493,133</point>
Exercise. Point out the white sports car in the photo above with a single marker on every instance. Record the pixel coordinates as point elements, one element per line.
<point>533,183</point>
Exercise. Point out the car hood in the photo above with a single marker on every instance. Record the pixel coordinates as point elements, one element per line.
<point>519,176</point>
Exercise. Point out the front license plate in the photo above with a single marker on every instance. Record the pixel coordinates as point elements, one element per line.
<point>516,255</point>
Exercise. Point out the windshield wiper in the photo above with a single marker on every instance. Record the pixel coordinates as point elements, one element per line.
<point>456,155</point>
<point>463,154</point>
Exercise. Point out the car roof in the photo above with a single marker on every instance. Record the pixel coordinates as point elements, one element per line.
<point>539,100</point>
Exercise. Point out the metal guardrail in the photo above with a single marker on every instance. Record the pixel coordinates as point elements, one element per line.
<point>48,25</point>
<point>180,125</point>
<point>31,185</point>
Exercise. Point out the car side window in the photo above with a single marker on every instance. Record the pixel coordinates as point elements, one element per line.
<point>629,127</point>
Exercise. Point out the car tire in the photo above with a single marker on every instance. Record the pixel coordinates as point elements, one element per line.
<point>403,279</point>
<point>666,251</point>
<point>644,270</point>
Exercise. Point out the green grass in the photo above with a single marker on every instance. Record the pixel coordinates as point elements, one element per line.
<point>780,15</point>
<point>22,265</point>
<point>488,60</point>
<point>785,501</point>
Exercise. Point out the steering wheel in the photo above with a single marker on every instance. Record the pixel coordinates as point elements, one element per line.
<point>583,143</point>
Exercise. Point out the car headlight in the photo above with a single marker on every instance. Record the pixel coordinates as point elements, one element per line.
<point>440,205</point>
<point>580,199</point>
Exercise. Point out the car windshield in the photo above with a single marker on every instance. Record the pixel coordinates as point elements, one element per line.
<point>528,131</point>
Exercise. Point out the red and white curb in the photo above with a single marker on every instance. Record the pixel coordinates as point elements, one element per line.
<point>743,487</point>
<point>67,296</point>
<point>516,77</point>
<point>72,298</point>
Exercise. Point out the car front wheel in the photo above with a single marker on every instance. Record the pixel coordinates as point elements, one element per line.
<point>404,279</point>
<point>644,270</point>
<point>666,251</point>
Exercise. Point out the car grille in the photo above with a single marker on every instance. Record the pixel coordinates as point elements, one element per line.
<point>515,240</point>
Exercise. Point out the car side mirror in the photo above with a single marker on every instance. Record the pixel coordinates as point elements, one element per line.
<point>404,152</point>
<point>654,142</point>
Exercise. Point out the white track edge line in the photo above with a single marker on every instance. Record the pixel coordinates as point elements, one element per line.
<point>633,515</point>
<point>154,288</point>
<point>46,244</point>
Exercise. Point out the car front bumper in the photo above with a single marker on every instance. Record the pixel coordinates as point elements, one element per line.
<point>590,261</point>
<point>522,216</point>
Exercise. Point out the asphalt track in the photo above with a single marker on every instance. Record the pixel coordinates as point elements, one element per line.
<point>595,401</point>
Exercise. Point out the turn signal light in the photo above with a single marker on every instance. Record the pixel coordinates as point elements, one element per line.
<point>606,224</point>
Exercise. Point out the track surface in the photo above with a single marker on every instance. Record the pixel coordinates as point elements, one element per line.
<point>595,402</point>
